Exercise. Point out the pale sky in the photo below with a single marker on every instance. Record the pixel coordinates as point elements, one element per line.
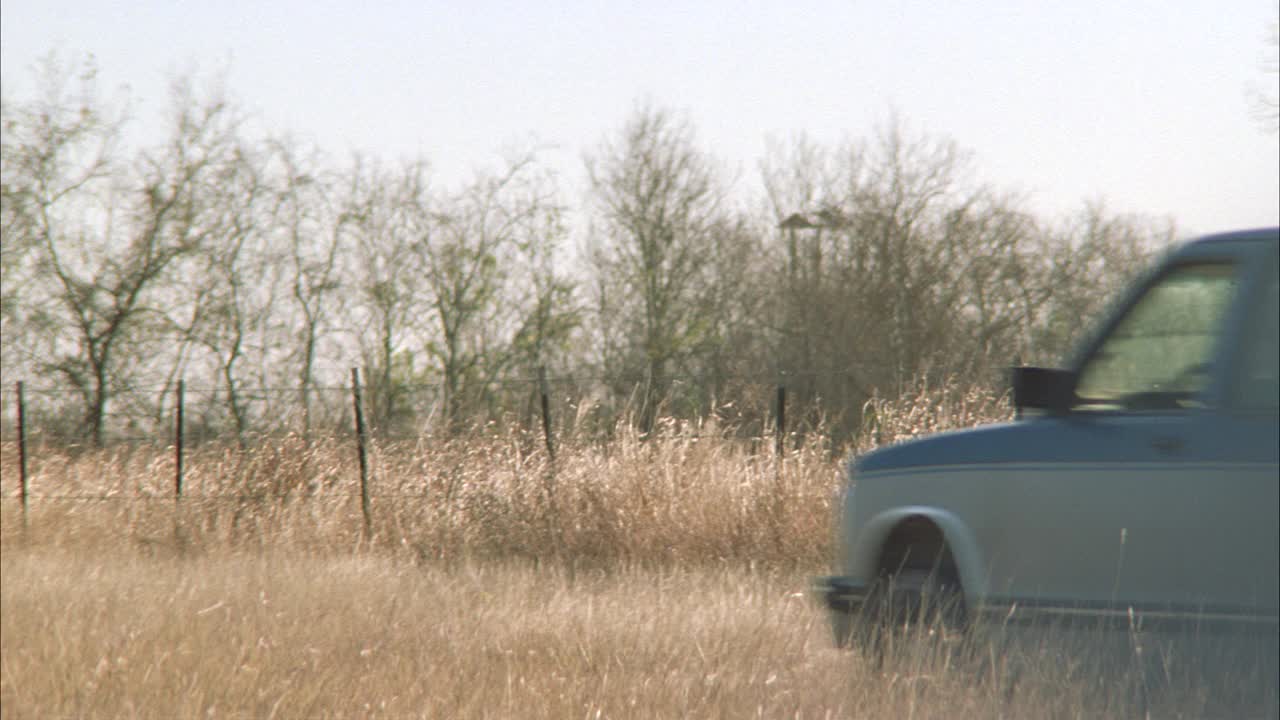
<point>1145,105</point>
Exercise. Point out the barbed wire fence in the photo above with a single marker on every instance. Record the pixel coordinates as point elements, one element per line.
<point>186,417</point>
<point>542,414</point>
<point>580,403</point>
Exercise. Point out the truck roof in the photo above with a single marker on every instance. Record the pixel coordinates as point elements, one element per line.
<point>1255,235</point>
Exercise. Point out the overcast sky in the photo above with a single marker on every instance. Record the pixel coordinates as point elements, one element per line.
<point>1145,105</point>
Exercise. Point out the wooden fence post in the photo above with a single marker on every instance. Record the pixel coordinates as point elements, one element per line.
<point>360,448</point>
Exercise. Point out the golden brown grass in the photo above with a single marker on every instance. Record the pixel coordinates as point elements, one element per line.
<point>682,500</point>
<point>280,635</point>
<point>658,578</point>
<point>688,494</point>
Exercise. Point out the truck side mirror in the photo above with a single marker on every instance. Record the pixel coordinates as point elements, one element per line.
<point>1048,389</point>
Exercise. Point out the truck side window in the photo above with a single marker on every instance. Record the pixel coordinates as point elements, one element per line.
<point>1258,385</point>
<point>1158,357</point>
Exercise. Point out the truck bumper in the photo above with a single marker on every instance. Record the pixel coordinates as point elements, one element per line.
<point>841,594</point>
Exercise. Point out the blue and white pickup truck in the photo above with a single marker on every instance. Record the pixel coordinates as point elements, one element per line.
<point>1139,482</point>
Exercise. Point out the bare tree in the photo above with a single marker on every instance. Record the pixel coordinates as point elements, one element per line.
<point>455,289</point>
<point>20,247</point>
<point>543,296</point>
<point>233,278</point>
<point>59,152</point>
<point>378,210</point>
<point>310,219</point>
<point>1087,259</point>
<point>109,234</point>
<point>897,266</point>
<point>214,256</point>
<point>657,206</point>
<point>994,260</point>
<point>805,188</point>
<point>485,255</point>
<point>861,262</point>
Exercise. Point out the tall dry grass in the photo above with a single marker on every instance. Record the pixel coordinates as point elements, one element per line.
<point>655,577</point>
<point>687,493</point>
<point>680,499</point>
<point>283,635</point>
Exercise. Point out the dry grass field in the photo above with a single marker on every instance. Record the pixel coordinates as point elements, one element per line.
<point>663,578</point>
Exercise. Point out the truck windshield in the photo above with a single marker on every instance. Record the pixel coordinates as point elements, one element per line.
<point>1158,357</point>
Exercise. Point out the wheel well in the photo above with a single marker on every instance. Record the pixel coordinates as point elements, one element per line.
<point>917,543</point>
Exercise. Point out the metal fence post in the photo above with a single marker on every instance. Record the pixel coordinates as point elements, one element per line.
<point>546,413</point>
<point>178,440</point>
<point>22,451</point>
<point>360,448</point>
<point>780,425</point>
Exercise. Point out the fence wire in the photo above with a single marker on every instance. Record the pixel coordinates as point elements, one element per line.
<point>584,404</point>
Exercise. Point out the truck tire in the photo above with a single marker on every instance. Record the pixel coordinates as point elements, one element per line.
<point>912,605</point>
